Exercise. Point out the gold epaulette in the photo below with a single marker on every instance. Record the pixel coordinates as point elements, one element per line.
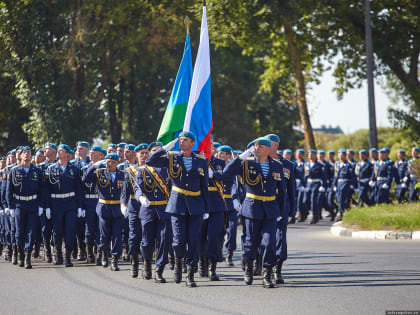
<point>250,158</point>
<point>200,156</point>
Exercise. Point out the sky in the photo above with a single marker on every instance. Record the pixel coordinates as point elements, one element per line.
<point>350,113</point>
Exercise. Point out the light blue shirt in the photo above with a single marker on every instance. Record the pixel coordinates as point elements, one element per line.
<point>26,169</point>
<point>113,174</point>
<point>187,163</point>
<point>265,167</point>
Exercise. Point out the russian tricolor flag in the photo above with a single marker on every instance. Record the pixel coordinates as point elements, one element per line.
<point>199,117</point>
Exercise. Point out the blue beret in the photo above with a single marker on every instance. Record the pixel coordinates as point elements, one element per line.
<point>71,152</point>
<point>288,151</point>
<point>401,151</point>
<point>363,151</point>
<point>141,146</point>
<point>331,152</point>
<point>263,141</point>
<point>11,152</point>
<point>417,149</point>
<point>39,150</point>
<point>50,144</point>
<point>321,152</point>
<point>383,150</point>
<point>65,147</point>
<point>312,151</point>
<point>112,145</point>
<point>279,151</point>
<point>130,147</point>
<point>74,150</point>
<point>25,148</point>
<point>216,144</point>
<point>96,148</point>
<point>342,151</point>
<point>155,144</point>
<point>387,149</point>
<point>112,156</point>
<point>251,144</point>
<point>373,150</point>
<point>224,148</point>
<point>83,144</point>
<point>350,151</point>
<point>121,145</point>
<point>187,134</point>
<point>237,152</point>
<point>273,137</point>
<point>300,150</point>
<point>103,151</point>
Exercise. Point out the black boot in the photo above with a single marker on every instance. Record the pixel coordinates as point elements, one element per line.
<point>213,276</point>
<point>277,276</point>
<point>229,257</point>
<point>135,266</point>
<point>159,274</point>
<point>90,254</point>
<point>15,255</point>
<point>28,264</point>
<point>75,250</point>
<point>147,269</point>
<point>178,270</point>
<point>37,248</point>
<point>105,259</point>
<point>315,219</point>
<point>58,256</point>
<point>9,252</point>
<point>68,262</point>
<point>171,261</point>
<point>190,277</point>
<point>98,257</point>
<point>258,266</point>
<point>202,267</point>
<point>184,267</point>
<point>114,263</point>
<point>249,272</point>
<point>267,283</point>
<point>82,251</point>
<point>47,253</point>
<point>21,259</point>
<point>1,249</point>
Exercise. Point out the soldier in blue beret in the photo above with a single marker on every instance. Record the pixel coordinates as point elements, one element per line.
<point>63,201</point>
<point>8,220</point>
<point>414,193</point>
<point>330,192</point>
<point>39,156</point>
<point>188,172</point>
<point>323,195</point>
<point>402,169</point>
<point>24,198</point>
<point>2,224</point>
<point>363,172</point>
<point>381,179</point>
<point>154,144</point>
<point>121,151</point>
<point>82,152</point>
<point>214,147</point>
<point>111,148</point>
<point>301,206</point>
<point>110,182</point>
<point>290,206</point>
<point>263,206</point>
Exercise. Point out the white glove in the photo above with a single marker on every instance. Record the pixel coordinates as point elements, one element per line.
<point>236,204</point>
<point>7,211</point>
<point>335,188</point>
<point>79,212</point>
<point>1,212</point>
<point>124,210</point>
<point>170,145</point>
<point>321,189</point>
<point>301,188</point>
<point>40,211</point>
<point>306,189</point>
<point>371,183</point>
<point>351,187</point>
<point>205,216</point>
<point>12,212</point>
<point>279,219</point>
<point>48,213</point>
<point>403,185</point>
<point>144,201</point>
<point>385,186</point>
<point>210,173</point>
<point>405,179</point>
<point>356,190</point>
<point>247,153</point>
<point>83,213</point>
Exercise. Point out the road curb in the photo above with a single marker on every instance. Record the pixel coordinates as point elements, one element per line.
<point>338,230</point>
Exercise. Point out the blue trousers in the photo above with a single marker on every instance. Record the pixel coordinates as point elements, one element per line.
<point>135,234</point>
<point>311,198</point>
<point>211,235</point>
<point>382,195</point>
<point>323,201</point>
<point>364,195</point>
<point>46,229</point>
<point>301,205</point>
<point>64,226</point>
<point>27,227</point>
<point>2,230</point>
<point>281,241</point>
<point>10,230</point>
<point>343,196</point>
<point>91,227</point>
<point>401,194</point>
<point>186,231</point>
<point>331,202</point>
<point>260,232</point>
<point>156,232</point>
<point>110,230</point>
<point>125,226</point>
<point>81,229</point>
<point>414,193</point>
<point>231,230</point>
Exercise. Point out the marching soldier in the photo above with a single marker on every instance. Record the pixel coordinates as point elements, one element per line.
<point>63,202</point>
<point>112,148</point>
<point>188,202</point>
<point>301,207</point>
<point>2,224</point>
<point>24,194</point>
<point>374,159</point>
<point>402,168</point>
<point>110,182</point>
<point>382,178</point>
<point>323,196</point>
<point>263,206</point>
<point>330,191</point>
<point>120,151</point>
<point>414,192</point>
<point>363,172</point>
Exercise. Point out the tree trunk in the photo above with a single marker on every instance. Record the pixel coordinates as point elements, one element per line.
<point>300,86</point>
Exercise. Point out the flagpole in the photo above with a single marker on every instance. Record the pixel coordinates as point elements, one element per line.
<point>187,23</point>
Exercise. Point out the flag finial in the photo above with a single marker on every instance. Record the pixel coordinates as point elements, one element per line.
<point>204,2</point>
<point>187,23</point>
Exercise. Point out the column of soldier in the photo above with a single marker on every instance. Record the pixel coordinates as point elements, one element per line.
<point>149,203</point>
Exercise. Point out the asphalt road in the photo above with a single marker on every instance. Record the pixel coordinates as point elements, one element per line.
<point>324,275</point>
